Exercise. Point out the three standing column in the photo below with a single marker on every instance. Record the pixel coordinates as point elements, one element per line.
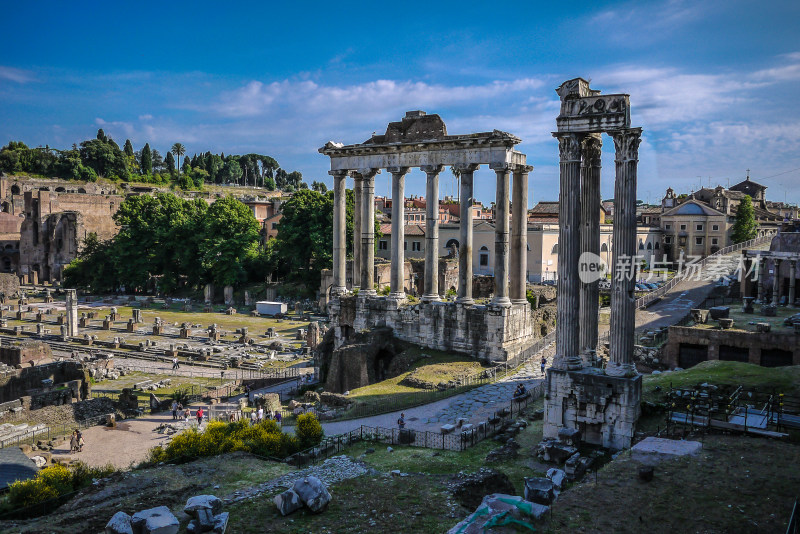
<point>368,231</point>
<point>501,234</point>
<point>465,241</point>
<point>431,292</point>
<point>623,299</point>
<point>339,237</point>
<point>519,235</point>
<point>567,355</point>
<point>590,243</point>
<point>398,232</point>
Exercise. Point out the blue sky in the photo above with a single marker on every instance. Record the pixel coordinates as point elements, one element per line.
<point>714,84</point>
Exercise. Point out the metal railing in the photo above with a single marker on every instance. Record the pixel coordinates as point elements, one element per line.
<point>47,433</point>
<point>678,278</point>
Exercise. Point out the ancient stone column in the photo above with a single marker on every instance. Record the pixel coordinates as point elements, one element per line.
<point>398,231</point>
<point>776,281</point>
<point>762,274</point>
<point>792,282</point>
<point>519,235</point>
<point>590,243</point>
<point>501,235</point>
<point>339,237</point>
<point>357,197</point>
<point>623,299</point>
<point>431,292</point>
<point>368,231</point>
<point>465,241</point>
<point>569,245</point>
<point>71,306</point>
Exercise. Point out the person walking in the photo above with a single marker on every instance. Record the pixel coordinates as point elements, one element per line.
<point>186,414</point>
<point>401,422</point>
<point>544,363</point>
<point>260,414</point>
<point>278,416</point>
<point>175,363</point>
<point>174,410</point>
<point>80,441</point>
<point>199,416</point>
<point>73,441</point>
<point>253,417</point>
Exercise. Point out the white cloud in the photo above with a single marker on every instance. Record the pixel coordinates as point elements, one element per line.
<point>16,75</point>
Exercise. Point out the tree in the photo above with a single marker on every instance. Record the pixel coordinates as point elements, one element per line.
<point>269,183</point>
<point>231,172</point>
<point>170,163</point>
<point>147,160</point>
<point>158,161</point>
<point>230,236</point>
<point>128,150</point>
<point>187,165</point>
<point>745,227</point>
<point>319,186</point>
<point>178,150</point>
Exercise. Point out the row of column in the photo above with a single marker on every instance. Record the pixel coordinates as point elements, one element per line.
<point>776,285</point>
<point>579,246</point>
<point>511,266</point>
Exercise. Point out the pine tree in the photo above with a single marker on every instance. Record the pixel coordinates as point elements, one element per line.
<point>147,159</point>
<point>745,228</point>
<point>187,165</point>
<point>169,161</point>
<point>128,148</point>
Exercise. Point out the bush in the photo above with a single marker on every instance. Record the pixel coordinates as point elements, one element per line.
<point>309,431</point>
<point>53,482</point>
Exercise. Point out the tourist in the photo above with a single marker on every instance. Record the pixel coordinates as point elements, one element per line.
<point>80,441</point>
<point>73,442</point>
<point>401,422</point>
<point>260,414</point>
<point>186,414</point>
<point>174,410</point>
<point>175,363</point>
<point>544,363</point>
<point>199,416</point>
<point>278,416</point>
<point>253,417</point>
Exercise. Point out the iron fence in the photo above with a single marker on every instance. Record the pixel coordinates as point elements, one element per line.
<point>49,432</point>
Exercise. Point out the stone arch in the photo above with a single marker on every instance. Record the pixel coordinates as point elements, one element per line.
<point>555,249</point>
<point>81,190</point>
<point>604,247</point>
<point>380,365</point>
<point>452,243</point>
<point>649,246</point>
<point>15,190</point>
<point>60,190</point>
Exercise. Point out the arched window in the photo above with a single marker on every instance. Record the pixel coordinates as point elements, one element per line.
<point>657,247</point>
<point>15,189</point>
<point>555,249</point>
<point>649,246</point>
<point>484,256</point>
<point>641,245</point>
<point>604,247</point>
<point>452,243</point>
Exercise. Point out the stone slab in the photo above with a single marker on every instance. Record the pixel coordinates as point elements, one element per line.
<point>651,450</point>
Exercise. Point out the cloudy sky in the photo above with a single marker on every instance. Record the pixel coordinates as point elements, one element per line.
<point>714,84</point>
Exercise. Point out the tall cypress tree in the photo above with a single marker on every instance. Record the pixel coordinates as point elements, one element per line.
<point>169,161</point>
<point>128,148</point>
<point>745,228</point>
<point>147,159</point>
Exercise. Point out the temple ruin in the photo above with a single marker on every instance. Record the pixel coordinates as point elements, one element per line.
<point>603,404</point>
<point>496,332</point>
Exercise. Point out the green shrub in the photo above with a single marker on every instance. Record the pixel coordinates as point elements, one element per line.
<point>52,482</point>
<point>309,431</point>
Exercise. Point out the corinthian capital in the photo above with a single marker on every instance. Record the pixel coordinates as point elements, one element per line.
<point>569,146</point>
<point>592,147</point>
<point>626,141</point>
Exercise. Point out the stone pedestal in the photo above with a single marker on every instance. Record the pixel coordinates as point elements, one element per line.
<point>107,323</point>
<point>603,408</point>
<point>130,327</point>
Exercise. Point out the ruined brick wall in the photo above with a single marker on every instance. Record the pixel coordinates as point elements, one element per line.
<point>755,343</point>
<point>25,353</point>
<point>9,284</point>
<point>27,382</point>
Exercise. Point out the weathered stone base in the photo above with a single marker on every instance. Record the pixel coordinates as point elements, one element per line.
<point>604,408</point>
<point>491,333</point>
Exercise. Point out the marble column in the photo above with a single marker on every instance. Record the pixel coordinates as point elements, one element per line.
<point>776,281</point>
<point>368,231</point>
<point>339,237</point>
<point>762,275</point>
<point>357,194</point>
<point>792,282</point>
<point>623,298</point>
<point>590,243</point>
<point>465,238</point>
<point>569,244</point>
<point>519,235</point>
<point>398,232</point>
<point>431,292</point>
<point>501,235</point>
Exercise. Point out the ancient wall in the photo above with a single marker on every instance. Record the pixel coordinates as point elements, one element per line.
<point>9,284</point>
<point>25,353</point>
<point>27,383</point>
<point>486,332</point>
<point>717,343</point>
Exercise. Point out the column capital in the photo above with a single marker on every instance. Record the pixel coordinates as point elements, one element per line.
<point>466,167</point>
<point>398,170</point>
<point>500,167</point>
<point>368,172</point>
<point>522,169</point>
<point>339,173</point>
<point>569,145</point>
<point>627,142</point>
<point>432,169</point>
<point>591,146</point>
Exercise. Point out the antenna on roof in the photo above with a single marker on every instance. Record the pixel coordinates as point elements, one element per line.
<point>748,175</point>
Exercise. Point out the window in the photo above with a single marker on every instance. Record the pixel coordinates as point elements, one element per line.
<point>555,249</point>
<point>274,226</point>
<point>667,239</point>
<point>383,245</point>
<point>683,227</point>
<point>715,227</point>
<point>405,245</point>
<point>667,227</point>
<point>416,246</point>
<point>604,247</point>
<point>698,240</point>
<point>657,246</point>
<point>699,227</point>
<point>714,241</point>
<point>649,246</point>
<point>484,260</point>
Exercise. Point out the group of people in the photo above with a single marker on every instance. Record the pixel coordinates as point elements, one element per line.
<point>179,413</point>
<point>256,416</point>
<point>76,441</point>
